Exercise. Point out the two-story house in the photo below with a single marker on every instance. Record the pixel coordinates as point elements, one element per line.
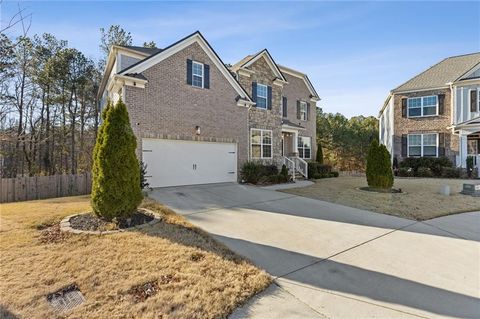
<point>198,120</point>
<point>436,113</point>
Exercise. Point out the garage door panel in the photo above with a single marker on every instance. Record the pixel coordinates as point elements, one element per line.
<point>173,162</point>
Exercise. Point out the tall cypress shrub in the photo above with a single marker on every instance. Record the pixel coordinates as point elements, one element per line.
<point>319,153</point>
<point>116,189</point>
<point>379,170</point>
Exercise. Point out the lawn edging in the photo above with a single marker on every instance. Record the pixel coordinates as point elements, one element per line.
<point>65,225</point>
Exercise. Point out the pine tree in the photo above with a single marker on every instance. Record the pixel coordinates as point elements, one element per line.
<point>379,170</point>
<point>116,189</point>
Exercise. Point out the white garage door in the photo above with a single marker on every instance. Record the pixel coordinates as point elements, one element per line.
<point>174,163</point>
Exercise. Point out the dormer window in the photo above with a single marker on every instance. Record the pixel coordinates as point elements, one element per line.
<point>197,73</point>
<point>262,96</point>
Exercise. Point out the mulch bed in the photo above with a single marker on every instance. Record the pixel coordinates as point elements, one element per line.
<point>53,235</point>
<point>90,222</point>
<point>380,190</point>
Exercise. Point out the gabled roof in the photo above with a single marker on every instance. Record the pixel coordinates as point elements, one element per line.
<point>195,37</point>
<point>446,71</point>
<point>250,59</point>
<point>304,77</point>
<point>148,51</point>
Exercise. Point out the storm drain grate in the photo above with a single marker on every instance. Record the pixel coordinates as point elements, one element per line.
<point>66,298</point>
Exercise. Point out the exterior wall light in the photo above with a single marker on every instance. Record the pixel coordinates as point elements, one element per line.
<point>197,130</point>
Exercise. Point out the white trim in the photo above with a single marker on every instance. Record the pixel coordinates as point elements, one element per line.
<point>194,38</point>
<point>261,143</point>
<point>303,148</point>
<point>420,90</point>
<point>263,97</point>
<point>422,106</point>
<point>270,63</point>
<point>421,144</point>
<point>202,76</point>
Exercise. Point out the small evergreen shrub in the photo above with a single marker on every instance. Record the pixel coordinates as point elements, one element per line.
<point>270,170</point>
<point>424,172</point>
<point>319,153</point>
<point>116,191</point>
<point>450,172</point>
<point>434,164</point>
<point>284,174</point>
<point>405,172</point>
<point>334,174</point>
<point>251,172</point>
<point>379,170</point>
<point>317,170</point>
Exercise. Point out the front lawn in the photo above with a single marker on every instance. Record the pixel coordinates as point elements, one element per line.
<point>194,276</point>
<point>420,200</point>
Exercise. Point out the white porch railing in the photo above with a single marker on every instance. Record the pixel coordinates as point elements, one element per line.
<point>290,166</point>
<point>301,166</point>
<point>296,164</point>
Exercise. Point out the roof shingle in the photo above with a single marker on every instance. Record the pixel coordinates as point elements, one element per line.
<point>448,70</point>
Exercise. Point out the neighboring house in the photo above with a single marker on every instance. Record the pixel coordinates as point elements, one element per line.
<point>197,120</point>
<point>436,113</point>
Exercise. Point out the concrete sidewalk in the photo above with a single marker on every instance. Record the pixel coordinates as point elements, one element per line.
<point>339,262</point>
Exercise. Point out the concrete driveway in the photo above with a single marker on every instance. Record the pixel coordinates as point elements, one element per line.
<point>332,261</point>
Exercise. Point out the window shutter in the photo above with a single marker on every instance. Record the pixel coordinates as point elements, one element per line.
<point>269,97</point>
<point>441,104</point>
<point>473,101</point>
<point>284,106</point>
<point>404,107</point>
<point>308,111</point>
<point>254,91</point>
<point>298,109</point>
<point>206,76</point>
<point>441,144</point>
<point>404,145</point>
<point>189,72</point>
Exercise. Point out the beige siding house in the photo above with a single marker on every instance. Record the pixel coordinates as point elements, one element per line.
<point>197,120</point>
<point>436,113</point>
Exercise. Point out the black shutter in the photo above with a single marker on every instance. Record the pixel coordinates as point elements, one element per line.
<point>473,101</point>
<point>441,104</point>
<point>206,79</point>
<point>254,91</point>
<point>298,110</point>
<point>284,106</point>
<point>308,111</point>
<point>404,145</point>
<point>404,107</point>
<point>441,144</point>
<point>269,97</point>
<point>189,71</point>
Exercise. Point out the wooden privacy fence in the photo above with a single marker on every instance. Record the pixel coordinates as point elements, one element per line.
<point>40,187</point>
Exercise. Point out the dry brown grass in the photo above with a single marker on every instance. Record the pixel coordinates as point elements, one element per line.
<point>422,200</point>
<point>210,280</point>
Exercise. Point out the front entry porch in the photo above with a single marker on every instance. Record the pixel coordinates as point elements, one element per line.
<point>469,143</point>
<point>294,163</point>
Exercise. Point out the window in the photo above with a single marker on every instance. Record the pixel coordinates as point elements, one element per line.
<point>284,106</point>
<point>261,141</point>
<point>423,145</point>
<point>303,111</point>
<point>261,96</point>
<point>304,147</point>
<point>197,73</point>
<point>423,106</point>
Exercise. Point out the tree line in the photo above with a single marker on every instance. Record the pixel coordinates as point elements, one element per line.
<point>345,142</point>
<point>49,110</point>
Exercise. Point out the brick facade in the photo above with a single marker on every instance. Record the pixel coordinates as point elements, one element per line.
<point>431,124</point>
<point>170,108</point>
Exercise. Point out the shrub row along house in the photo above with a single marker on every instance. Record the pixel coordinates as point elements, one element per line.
<point>436,113</point>
<point>198,120</point>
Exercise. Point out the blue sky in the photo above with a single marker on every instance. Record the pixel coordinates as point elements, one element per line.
<point>353,52</point>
